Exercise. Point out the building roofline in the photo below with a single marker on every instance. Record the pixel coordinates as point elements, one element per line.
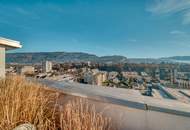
<point>9,44</point>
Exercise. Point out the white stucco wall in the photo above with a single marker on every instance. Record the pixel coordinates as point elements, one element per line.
<point>2,62</point>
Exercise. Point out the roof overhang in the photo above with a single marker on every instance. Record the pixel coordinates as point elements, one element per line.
<point>9,44</point>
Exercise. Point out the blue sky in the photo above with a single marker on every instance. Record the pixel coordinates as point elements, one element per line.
<point>133,28</point>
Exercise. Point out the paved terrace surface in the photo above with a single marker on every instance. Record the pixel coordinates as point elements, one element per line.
<point>124,97</point>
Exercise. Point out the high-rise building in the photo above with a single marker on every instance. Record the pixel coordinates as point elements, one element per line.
<point>173,73</point>
<point>47,66</point>
<point>157,74</point>
<point>89,64</point>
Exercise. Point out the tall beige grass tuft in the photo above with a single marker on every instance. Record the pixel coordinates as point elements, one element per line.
<point>26,102</point>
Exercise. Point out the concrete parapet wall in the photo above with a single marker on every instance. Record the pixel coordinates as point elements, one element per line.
<point>128,118</point>
<point>128,109</point>
<point>132,118</point>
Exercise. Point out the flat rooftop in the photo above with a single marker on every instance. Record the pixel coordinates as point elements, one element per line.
<point>9,44</point>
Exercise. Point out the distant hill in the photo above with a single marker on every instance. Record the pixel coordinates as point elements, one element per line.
<point>174,59</point>
<point>38,57</point>
<point>144,60</point>
<point>179,58</point>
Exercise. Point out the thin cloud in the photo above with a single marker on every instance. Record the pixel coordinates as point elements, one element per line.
<point>22,11</point>
<point>186,18</point>
<point>177,32</point>
<point>169,7</point>
<point>132,40</point>
<point>180,38</point>
<point>30,14</point>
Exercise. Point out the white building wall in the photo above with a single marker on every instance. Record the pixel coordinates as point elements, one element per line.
<point>47,66</point>
<point>2,62</point>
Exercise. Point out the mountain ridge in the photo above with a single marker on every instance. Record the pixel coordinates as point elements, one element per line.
<point>36,57</point>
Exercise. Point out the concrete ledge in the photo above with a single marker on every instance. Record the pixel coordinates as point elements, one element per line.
<point>184,93</point>
<point>122,97</point>
<point>169,111</point>
<point>166,92</point>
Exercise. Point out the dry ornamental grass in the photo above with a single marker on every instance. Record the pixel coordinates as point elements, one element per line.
<point>26,102</point>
